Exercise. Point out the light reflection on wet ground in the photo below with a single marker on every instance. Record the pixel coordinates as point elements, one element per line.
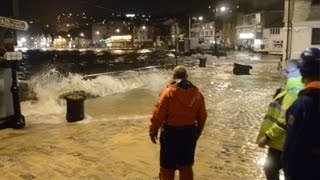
<point>236,106</point>
<point>113,143</point>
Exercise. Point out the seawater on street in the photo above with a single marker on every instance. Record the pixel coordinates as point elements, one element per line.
<point>112,141</point>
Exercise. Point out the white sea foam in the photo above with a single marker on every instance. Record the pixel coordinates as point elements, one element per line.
<point>50,85</point>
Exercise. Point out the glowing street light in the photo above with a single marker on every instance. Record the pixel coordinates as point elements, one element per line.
<point>68,35</point>
<point>130,15</point>
<point>143,27</point>
<point>97,33</point>
<point>81,34</point>
<point>23,39</point>
<point>200,18</point>
<point>117,30</point>
<point>223,8</point>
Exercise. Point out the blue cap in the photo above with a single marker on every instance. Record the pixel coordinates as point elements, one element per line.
<point>310,61</point>
<point>310,53</point>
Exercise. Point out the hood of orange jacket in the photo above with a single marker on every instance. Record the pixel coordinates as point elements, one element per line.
<point>185,92</point>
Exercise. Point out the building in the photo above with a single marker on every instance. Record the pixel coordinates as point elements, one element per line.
<point>303,29</point>
<point>258,31</point>
<point>201,35</point>
<point>143,36</point>
<point>113,34</point>
<point>272,40</point>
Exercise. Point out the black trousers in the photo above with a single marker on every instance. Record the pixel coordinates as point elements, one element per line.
<point>273,164</point>
<point>177,146</point>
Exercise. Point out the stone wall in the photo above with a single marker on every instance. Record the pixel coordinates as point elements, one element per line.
<point>302,10</point>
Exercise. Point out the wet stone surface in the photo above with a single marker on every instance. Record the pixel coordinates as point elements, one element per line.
<point>112,142</point>
<point>236,106</point>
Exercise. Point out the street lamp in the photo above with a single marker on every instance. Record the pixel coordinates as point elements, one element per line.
<point>222,9</point>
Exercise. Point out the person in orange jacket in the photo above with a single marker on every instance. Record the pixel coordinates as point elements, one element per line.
<point>181,114</point>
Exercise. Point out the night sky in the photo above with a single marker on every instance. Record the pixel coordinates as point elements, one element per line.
<point>48,9</point>
<point>36,7</point>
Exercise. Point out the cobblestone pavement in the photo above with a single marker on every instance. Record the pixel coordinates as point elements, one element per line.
<point>236,106</point>
<point>114,143</point>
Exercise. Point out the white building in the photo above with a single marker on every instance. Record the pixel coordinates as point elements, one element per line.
<point>260,31</point>
<point>273,39</point>
<point>305,30</point>
<point>201,35</point>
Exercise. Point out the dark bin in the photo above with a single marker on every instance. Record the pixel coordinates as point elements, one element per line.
<point>239,69</point>
<point>202,62</point>
<point>75,107</point>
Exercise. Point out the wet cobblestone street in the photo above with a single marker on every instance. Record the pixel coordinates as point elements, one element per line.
<point>112,143</point>
<point>236,106</point>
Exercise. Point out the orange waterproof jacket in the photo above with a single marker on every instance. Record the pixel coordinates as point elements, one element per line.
<point>179,107</point>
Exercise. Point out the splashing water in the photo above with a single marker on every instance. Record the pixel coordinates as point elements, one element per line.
<point>51,84</point>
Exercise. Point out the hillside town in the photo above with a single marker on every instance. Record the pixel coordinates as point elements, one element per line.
<point>226,25</point>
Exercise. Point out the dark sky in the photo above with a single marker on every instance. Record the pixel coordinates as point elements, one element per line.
<point>48,6</point>
<point>47,9</point>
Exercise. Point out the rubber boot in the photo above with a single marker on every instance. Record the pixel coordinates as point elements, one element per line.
<point>166,174</point>
<point>185,173</point>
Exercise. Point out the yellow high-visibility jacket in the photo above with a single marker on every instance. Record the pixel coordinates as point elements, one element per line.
<point>274,123</point>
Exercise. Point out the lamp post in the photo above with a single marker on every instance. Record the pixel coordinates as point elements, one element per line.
<point>289,30</point>
<point>217,9</point>
<point>215,31</point>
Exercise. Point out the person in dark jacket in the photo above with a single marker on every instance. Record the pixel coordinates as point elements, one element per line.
<point>302,145</point>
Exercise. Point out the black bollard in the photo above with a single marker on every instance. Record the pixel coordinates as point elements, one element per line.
<point>18,121</point>
<point>75,107</point>
<point>202,62</point>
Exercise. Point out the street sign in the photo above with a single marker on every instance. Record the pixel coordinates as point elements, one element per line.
<point>11,56</point>
<point>13,23</point>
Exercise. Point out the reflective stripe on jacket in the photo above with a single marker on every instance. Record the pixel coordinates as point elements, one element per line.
<point>274,123</point>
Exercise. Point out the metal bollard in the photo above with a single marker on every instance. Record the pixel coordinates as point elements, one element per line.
<point>75,107</point>
<point>202,62</point>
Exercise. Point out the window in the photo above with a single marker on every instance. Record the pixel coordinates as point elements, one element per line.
<point>200,41</point>
<point>315,36</point>
<point>275,31</point>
